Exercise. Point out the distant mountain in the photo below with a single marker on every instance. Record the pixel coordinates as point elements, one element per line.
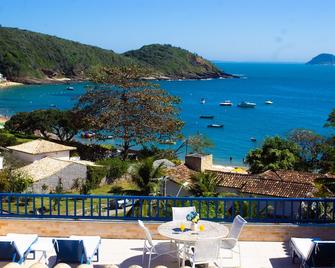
<point>323,59</point>
<point>31,57</point>
<point>175,62</point>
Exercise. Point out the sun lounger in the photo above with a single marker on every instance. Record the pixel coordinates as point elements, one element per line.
<point>313,252</point>
<point>16,247</point>
<point>77,249</point>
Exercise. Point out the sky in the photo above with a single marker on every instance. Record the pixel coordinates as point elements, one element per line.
<point>227,30</point>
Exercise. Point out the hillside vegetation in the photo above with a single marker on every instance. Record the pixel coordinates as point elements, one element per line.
<point>32,57</point>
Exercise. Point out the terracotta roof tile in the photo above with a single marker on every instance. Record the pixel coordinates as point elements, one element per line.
<point>180,173</point>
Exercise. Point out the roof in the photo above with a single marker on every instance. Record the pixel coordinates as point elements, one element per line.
<point>282,183</point>
<point>40,147</point>
<point>49,166</point>
<point>180,173</point>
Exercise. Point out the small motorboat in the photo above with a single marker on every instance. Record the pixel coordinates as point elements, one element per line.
<point>246,104</point>
<point>202,101</point>
<point>52,105</point>
<point>70,88</point>
<point>206,116</point>
<point>169,142</point>
<point>226,103</point>
<point>87,135</point>
<point>215,126</point>
<point>253,139</point>
<point>268,102</point>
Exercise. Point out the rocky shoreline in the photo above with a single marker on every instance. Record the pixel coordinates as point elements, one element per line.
<point>66,80</point>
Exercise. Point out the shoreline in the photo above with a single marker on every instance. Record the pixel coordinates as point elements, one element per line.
<point>9,84</point>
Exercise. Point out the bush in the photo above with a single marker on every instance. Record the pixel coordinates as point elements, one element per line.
<point>94,176</point>
<point>115,168</point>
<point>7,139</point>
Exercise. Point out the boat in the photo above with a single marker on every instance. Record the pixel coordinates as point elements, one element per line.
<point>226,103</point>
<point>207,116</point>
<point>246,104</point>
<point>87,135</point>
<point>202,101</point>
<point>70,88</point>
<point>253,139</point>
<point>215,126</point>
<point>268,102</point>
<point>168,142</point>
<point>52,105</point>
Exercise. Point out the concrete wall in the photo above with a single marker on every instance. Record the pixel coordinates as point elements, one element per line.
<point>199,162</point>
<point>130,230</point>
<point>29,158</point>
<point>68,175</point>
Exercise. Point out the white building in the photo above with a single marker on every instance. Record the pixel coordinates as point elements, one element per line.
<point>38,149</point>
<point>47,172</point>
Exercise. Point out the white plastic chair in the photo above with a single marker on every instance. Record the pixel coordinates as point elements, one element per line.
<point>231,241</point>
<point>163,248</point>
<point>204,251</point>
<point>180,213</point>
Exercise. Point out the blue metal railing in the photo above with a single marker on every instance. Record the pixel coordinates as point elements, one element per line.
<point>158,208</point>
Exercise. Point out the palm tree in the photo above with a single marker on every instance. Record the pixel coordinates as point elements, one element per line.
<point>204,184</point>
<point>146,177</point>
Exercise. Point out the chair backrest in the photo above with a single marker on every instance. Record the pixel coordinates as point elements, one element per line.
<point>206,250</point>
<point>69,250</point>
<point>146,232</point>
<point>180,213</point>
<point>322,254</point>
<point>8,251</point>
<point>237,227</point>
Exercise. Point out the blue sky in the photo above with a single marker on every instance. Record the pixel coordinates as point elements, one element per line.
<point>229,30</point>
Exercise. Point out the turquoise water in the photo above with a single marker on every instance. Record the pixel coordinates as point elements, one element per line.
<point>302,96</point>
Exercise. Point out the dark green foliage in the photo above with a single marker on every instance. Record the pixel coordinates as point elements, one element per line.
<point>30,56</point>
<point>14,181</point>
<point>64,124</point>
<point>173,61</point>
<point>90,152</point>
<point>95,175</point>
<point>7,139</point>
<point>146,175</point>
<point>331,120</point>
<point>327,162</point>
<point>34,55</point>
<point>311,147</point>
<point>204,184</point>
<point>115,168</point>
<point>276,153</point>
<point>156,153</point>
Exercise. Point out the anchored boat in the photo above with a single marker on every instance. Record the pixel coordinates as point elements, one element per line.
<point>206,116</point>
<point>226,103</point>
<point>215,126</point>
<point>246,104</point>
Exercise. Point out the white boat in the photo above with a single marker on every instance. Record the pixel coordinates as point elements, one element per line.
<point>226,103</point>
<point>70,88</point>
<point>202,101</point>
<point>253,139</point>
<point>246,104</point>
<point>268,102</point>
<point>215,126</point>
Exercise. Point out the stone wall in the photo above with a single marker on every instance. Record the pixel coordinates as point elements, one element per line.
<point>130,230</point>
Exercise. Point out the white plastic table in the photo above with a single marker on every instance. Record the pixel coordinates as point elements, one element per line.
<point>211,230</point>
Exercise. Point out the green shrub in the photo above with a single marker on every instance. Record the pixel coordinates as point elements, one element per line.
<point>115,168</point>
<point>95,175</point>
<point>7,139</point>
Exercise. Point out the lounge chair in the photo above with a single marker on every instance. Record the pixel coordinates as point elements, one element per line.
<point>16,247</point>
<point>77,249</point>
<point>313,252</point>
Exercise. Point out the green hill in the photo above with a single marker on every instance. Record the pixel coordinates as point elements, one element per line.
<point>32,57</point>
<point>323,59</point>
<point>175,62</point>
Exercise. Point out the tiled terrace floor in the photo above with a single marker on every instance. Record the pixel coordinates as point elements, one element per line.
<point>127,252</point>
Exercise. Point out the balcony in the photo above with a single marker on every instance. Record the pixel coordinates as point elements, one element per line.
<point>264,240</point>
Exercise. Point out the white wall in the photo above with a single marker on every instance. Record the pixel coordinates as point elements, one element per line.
<point>32,158</point>
<point>68,175</point>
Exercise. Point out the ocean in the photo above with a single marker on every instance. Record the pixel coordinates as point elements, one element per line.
<point>302,95</point>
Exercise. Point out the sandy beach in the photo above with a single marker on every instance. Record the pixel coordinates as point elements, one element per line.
<point>9,84</point>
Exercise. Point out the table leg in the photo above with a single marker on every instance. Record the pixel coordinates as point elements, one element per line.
<point>184,255</point>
